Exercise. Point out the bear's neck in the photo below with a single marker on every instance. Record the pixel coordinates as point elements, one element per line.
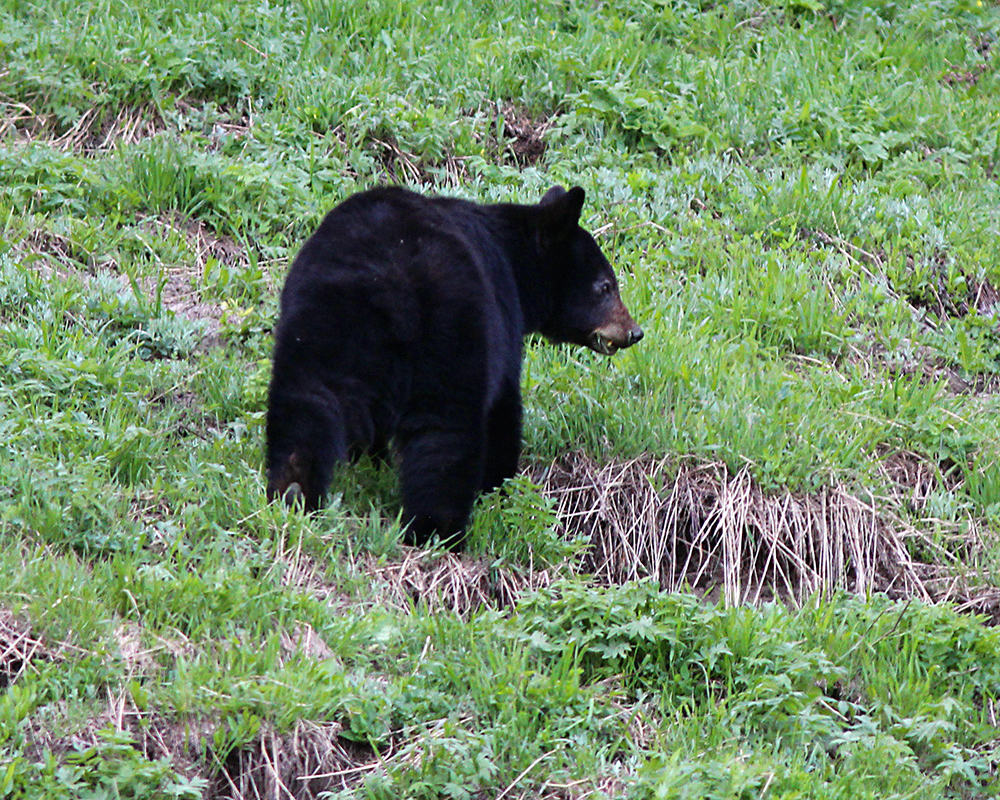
<point>519,239</point>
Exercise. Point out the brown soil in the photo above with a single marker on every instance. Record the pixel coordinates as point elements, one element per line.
<point>525,134</point>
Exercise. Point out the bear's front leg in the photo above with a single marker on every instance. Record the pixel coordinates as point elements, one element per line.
<point>441,467</point>
<point>503,437</point>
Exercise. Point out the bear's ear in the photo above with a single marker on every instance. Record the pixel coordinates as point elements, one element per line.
<point>560,212</point>
<point>552,195</point>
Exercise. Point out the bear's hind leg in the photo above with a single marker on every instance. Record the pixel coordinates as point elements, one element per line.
<point>305,441</point>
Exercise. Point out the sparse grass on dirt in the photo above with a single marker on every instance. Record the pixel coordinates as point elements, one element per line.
<point>755,556</point>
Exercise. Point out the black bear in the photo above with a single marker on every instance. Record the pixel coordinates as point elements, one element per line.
<point>401,322</point>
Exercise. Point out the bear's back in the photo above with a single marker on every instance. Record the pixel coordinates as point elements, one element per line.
<point>395,269</point>
<point>403,256</point>
<point>385,230</point>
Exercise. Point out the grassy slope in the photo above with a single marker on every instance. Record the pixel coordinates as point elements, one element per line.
<point>802,209</point>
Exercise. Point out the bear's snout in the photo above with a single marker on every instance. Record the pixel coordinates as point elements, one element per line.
<point>619,332</point>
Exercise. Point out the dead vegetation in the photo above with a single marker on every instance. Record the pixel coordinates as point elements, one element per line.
<point>19,649</point>
<point>101,129</point>
<point>697,526</point>
<point>437,581</point>
<point>304,763</point>
<point>312,760</point>
<point>722,535</point>
<point>309,762</point>
<point>446,581</point>
<point>688,526</point>
<point>95,130</point>
<point>127,126</point>
<point>407,167</point>
<point>977,297</point>
<point>940,299</point>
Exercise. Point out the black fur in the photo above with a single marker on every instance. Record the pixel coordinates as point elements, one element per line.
<point>402,321</point>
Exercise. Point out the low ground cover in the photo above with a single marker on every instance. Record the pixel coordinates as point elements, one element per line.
<point>753,556</point>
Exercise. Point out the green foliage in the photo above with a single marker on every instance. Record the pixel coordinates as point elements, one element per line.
<point>800,201</point>
<point>517,525</point>
<point>450,762</point>
<point>858,682</point>
<point>111,768</point>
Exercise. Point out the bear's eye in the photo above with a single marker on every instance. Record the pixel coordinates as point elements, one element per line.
<point>605,287</point>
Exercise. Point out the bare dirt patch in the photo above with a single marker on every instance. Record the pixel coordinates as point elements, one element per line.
<point>524,132</point>
<point>964,77</point>
<point>178,290</point>
<point>175,288</point>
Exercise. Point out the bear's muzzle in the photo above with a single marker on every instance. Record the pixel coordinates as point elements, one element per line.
<point>621,332</point>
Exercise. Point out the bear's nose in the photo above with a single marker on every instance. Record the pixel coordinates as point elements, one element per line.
<point>634,335</point>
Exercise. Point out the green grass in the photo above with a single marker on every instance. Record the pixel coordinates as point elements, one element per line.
<point>800,201</point>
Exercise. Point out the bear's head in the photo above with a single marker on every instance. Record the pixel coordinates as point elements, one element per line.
<point>586,307</point>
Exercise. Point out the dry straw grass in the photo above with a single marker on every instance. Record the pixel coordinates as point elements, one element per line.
<point>434,580</point>
<point>698,525</point>
<point>315,759</point>
<point>303,764</point>
<point>445,581</point>
<point>19,647</point>
<point>93,131</point>
<point>312,760</point>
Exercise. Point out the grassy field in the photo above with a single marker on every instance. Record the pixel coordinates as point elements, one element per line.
<point>755,556</point>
